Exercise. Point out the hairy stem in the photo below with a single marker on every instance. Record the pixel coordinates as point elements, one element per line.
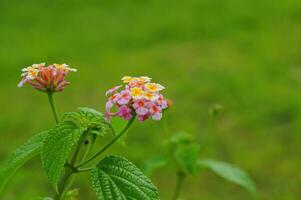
<point>69,169</point>
<point>89,146</point>
<point>64,182</point>
<point>52,104</point>
<point>180,179</point>
<point>108,145</point>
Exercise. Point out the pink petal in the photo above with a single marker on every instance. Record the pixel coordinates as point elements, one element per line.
<point>141,111</point>
<point>108,116</point>
<point>109,105</point>
<point>125,112</point>
<point>114,89</point>
<point>22,82</point>
<point>157,116</point>
<point>142,118</point>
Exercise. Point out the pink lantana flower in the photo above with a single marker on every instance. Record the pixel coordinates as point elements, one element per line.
<point>155,111</point>
<point>138,97</point>
<point>47,79</point>
<point>125,112</point>
<point>124,97</point>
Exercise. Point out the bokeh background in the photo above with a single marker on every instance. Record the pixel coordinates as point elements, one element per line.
<point>244,55</point>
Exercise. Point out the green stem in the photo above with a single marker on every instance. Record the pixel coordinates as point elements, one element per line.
<point>52,104</point>
<point>180,179</point>
<point>89,146</point>
<point>63,183</point>
<point>108,145</point>
<point>69,169</point>
<point>84,170</point>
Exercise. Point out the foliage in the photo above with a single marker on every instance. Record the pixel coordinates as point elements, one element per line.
<point>22,154</point>
<point>116,178</point>
<point>60,148</point>
<point>183,152</point>
<point>57,149</point>
<point>229,172</point>
<point>186,157</point>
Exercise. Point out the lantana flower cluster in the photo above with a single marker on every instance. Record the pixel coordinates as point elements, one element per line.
<point>138,96</point>
<point>47,79</point>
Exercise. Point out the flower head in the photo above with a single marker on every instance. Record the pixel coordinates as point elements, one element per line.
<point>138,97</point>
<point>46,78</point>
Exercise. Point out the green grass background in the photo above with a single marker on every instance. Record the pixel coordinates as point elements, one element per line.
<point>244,55</point>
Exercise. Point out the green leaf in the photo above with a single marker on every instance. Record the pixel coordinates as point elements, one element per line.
<point>94,120</point>
<point>230,173</point>
<point>156,162</point>
<point>88,118</point>
<point>187,157</point>
<point>179,138</point>
<point>28,150</point>
<point>57,148</point>
<point>117,178</point>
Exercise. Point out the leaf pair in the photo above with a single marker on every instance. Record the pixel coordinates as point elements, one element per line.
<point>55,144</point>
<point>61,140</point>
<point>113,178</point>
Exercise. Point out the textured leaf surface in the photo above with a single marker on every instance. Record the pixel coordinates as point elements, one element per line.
<point>88,118</point>
<point>115,178</point>
<point>156,162</point>
<point>230,173</point>
<point>57,148</point>
<point>187,157</point>
<point>28,150</point>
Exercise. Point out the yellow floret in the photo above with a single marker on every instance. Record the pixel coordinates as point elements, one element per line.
<point>136,92</point>
<point>154,87</point>
<point>150,96</point>
<point>127,79</point>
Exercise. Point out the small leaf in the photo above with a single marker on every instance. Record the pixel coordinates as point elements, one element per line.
<point>187,157</point>
<point>57,148</point>
<point>230,173</point>
<point>117,178</point>
<point>94,119</point>
<point>28,150</point>
<point>156,162</point>
<point>179,138</point>
<point>88,118</point>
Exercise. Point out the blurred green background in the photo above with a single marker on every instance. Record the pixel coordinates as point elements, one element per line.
<point>244,55</point>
